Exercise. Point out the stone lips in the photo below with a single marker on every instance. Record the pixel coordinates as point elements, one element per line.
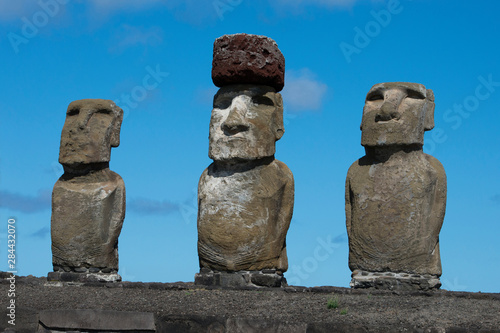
<point>250,59</point>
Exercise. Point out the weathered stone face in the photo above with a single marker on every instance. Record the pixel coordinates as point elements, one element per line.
<point>396,194</point>
<point>248,59</point>
<point>246,122</point>
<point>91,128</point>
<point>88,201</point>
<point>397,113</point>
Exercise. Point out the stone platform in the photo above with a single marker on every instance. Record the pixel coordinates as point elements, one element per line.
<point>82,277</point>
<point>394,281</point>
<point>125,307</point>
<point>263,278</point>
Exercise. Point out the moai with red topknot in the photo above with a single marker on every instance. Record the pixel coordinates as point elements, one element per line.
<point>245,196</point>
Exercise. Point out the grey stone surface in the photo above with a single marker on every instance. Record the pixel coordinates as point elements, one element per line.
<point>396,194</point>
<point>268,280</point>
<point>394,281</point>
<point>192,324</point>
<point>239,279</point>
<point>83,277</point>
<point>245,196</point>
<point>242,325</point>
<point>184,307</point>
<point>88,201</point>
<point>103,320</point>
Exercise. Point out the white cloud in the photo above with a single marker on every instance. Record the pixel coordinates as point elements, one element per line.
<point>302,91</point>
<point>195,12</point>
<point>192,11</point>
<point>129,36</point>
<point>300,7</point>
<point>108,6</point>
<point>14,10</point>
<point>26,203</point>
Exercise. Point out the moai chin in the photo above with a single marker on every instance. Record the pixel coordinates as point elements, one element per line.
<point>88,200</point>
<point>245,196</point>
<point>395,194</point>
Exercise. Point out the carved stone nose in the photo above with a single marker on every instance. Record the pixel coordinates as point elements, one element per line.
<point>82,121</point>
<point>234,122</point>
<point>83,118</point>
<point>387,112</point>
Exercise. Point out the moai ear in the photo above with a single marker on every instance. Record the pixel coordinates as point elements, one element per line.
<point>361,124</point>
<point>429,111</point>
<point>117,124</point>
<point>278,126</point>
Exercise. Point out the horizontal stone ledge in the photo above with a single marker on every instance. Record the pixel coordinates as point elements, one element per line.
<point>83,277</point>
<point>97,320</point>
<point>42,282</point>
<point>267,278</point>
<point>191,323</point>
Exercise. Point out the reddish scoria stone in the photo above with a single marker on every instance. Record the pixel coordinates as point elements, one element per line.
<point>248,59</point>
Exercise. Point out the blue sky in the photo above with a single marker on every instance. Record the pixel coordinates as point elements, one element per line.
<point>57,51</point>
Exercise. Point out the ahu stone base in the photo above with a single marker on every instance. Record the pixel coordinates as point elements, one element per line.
<point>263,278</point>
<point>83,277</point>
<point>394,281</point>
<point>88,320</point>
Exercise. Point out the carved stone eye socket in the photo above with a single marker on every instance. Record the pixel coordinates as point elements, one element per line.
<point>375,97</point>
<point>104,111</point>
<point>414,94</point>
<point>262,100</point>
<point>222,103</point>
<point>73,112</point>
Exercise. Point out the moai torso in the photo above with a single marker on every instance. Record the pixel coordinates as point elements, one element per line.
<point>396,211</point>
<point>88,201</point>
<point>244,217</point>
<point>245,198</point>
<point>86,221</point>
<point>396,194</point>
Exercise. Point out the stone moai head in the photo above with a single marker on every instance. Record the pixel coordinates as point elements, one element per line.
<point>397,114</point>
<point>247,115</point>
<point>91,128</point>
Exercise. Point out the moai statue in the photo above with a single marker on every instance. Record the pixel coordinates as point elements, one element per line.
<point>88,201</point>
<point>245,197</point>
<point>395,194</point>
